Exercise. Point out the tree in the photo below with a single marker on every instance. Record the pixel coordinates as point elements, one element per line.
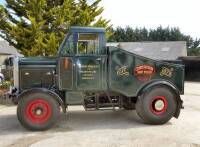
<point>129,34</point>
<point>37,27</point>
<point>194,49</point>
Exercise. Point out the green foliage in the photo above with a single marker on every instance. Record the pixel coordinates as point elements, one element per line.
<point>5,85</point>
<point>37,27</point>
<point>194,50</point>
<point>129,34</point>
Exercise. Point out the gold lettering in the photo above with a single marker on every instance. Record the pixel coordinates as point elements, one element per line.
<point>166,72</point>
<point>122,71</point>
<point>88,72</point>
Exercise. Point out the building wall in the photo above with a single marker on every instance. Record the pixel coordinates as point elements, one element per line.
<point>3,58</point>
<point>6,71</point>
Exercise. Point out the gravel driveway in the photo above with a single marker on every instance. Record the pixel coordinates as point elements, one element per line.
<point>108,128</point>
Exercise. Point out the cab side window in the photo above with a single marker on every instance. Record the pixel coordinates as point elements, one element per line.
<point>68,46</point>
<point>88,43</point>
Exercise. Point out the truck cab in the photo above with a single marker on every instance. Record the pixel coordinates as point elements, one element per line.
<point>86,72</point>
<point>83,60</point>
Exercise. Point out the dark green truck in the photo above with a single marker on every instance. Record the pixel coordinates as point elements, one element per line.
<point>86,72</point>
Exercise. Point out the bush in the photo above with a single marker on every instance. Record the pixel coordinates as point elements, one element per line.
<point>5,85</point>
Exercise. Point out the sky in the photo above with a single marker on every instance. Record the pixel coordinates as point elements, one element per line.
<point>184,14</point>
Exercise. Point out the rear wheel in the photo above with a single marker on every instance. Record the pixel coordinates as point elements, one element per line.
<point>157,105</point>
<point>37,111</point>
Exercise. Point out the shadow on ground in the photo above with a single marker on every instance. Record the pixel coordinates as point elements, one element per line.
<point>80,121</point>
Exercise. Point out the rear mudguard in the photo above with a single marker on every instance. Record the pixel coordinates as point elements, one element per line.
<point>169,85</point>
<point>43,90</point>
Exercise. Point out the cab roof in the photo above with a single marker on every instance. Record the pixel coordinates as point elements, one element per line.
<point>76,29</point>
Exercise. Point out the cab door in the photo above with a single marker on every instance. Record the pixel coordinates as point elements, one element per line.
<point>66,63</point>
<point>90,63</point>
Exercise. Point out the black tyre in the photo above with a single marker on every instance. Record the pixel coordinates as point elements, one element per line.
<point>157,105</point>
<point>38,111</point>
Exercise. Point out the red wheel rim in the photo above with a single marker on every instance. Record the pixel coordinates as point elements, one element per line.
<point>158,105</point>
<point>38,111</point>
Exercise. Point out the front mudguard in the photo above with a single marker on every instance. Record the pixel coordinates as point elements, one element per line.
<point>43,90</point>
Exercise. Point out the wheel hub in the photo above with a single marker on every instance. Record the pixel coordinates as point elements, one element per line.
<point>38,111</point>
<point>158,105</point>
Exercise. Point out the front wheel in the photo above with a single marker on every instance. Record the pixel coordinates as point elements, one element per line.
<point>37,111</point>
<point>157,105</point>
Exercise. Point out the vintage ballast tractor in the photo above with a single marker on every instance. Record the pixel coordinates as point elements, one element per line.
<point>86,72</point>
